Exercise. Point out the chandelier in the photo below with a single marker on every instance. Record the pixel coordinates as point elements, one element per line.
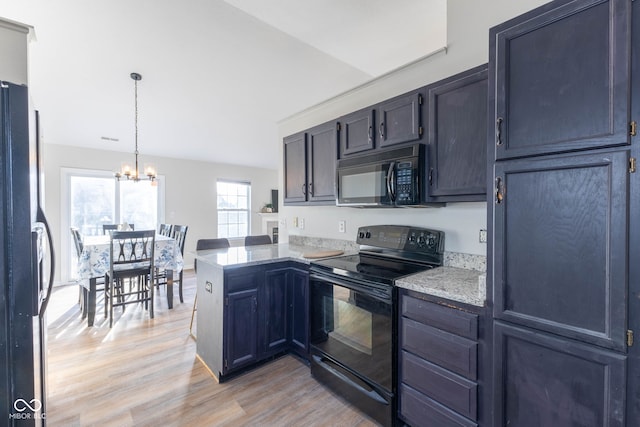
<point>127,172</point>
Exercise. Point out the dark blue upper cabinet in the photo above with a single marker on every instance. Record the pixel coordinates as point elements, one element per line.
<point>357,132</point>
<point>295,168</point>
<point>561,233</point>
<point>561,78</point>
<point>399,119</point>
<point>456,111</point>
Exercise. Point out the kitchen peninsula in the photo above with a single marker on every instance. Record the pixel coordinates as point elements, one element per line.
<point>252,304</point>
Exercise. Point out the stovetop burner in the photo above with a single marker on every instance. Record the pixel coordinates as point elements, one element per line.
<point>365,267</point>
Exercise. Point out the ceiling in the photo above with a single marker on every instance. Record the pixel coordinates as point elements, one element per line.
<point>217,75</point>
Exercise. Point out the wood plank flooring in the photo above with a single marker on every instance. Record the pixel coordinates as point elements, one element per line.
<point>143,372</point>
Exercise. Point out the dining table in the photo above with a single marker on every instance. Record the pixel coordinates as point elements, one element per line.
<point>95,261</point>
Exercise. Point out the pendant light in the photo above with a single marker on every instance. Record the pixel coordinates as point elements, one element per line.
<point>133,173</point>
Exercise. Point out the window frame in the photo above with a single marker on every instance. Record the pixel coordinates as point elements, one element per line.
<point>66,243</point>
<point>247,210</point>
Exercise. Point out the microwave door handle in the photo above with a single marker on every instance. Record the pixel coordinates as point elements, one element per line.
<point>391,186</point>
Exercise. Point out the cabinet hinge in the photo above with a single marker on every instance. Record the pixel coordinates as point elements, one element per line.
<point>629,337</point>
<point>633,128</point>
<point>632,165</point>
<point>226,365</point>
<point>420,130</point>
<point>338,126</point>
<point>226,301</point>
<point>420,99</point>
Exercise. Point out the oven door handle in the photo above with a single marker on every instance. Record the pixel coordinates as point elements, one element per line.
<point>372,394</point>
<point>371,291</point>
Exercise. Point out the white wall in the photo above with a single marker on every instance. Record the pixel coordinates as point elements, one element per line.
<point>190,190</point>
<point>468,26</point>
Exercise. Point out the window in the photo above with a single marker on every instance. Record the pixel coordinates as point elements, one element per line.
<point>94,198</point>
<point>233,208</point>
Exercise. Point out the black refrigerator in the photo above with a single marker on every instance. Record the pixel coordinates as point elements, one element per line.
<point>26,264</point>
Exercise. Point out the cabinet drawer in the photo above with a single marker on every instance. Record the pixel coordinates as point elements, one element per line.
<point>420,411</point>
<point>442,348</point>
<point>448,319</point>
<point>451,390</point>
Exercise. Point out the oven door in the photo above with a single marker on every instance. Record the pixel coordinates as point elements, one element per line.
<point>352,327</point>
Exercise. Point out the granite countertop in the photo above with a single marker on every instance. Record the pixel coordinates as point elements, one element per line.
<point>453,283</point>
<point>456,284</point>
<point>256,255</point>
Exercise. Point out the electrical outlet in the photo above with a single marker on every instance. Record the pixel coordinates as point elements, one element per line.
<point>295,221</point>
<point>483,236</point>
<point>342,226</point>
<point>283,223</point>
<point>301,223</point>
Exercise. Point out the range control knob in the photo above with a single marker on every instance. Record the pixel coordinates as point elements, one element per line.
<point>361,234</point>
<point>421,241</point>
<point>367,234</point>
<point>431,242</point>
<point>412,238</point>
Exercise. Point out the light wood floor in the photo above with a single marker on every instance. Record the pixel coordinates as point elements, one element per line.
<point>143,372</point>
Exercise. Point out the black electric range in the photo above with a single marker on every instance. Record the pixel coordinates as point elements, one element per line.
<point>353,313</point>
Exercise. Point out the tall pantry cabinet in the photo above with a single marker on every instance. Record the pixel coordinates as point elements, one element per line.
<point>564,214</point>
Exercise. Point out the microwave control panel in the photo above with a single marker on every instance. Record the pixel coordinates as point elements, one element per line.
<point>406,184</point>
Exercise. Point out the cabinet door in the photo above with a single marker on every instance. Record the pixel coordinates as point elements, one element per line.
<point>357,132</point>
<point>561,78</point>
<point>457,117</point>
<point>560,260</point>
<point>542,380</point>
<point>241,326</point>
<point>299,311</point>
<point>295,169</point>
<point>274,311</point>
<point>322,155</point>
<point>399,119</point>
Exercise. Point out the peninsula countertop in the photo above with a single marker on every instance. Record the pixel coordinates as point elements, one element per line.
<point>241,256</point>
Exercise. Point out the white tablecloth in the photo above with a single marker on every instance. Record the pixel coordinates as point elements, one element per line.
<point>94,260</point>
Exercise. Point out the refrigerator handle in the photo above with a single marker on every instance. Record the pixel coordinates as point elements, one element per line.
<point>40,216</point>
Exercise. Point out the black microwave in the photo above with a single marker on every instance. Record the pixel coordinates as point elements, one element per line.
<point>386,178</point>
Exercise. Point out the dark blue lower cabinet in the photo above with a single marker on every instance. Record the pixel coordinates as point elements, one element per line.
<point>275,317</point>
<point>438,364</point>
<point>241,329</point>
<point>299,312</point>
<point>241,317</point>
<point>545,380</point>
<point>265,314</point>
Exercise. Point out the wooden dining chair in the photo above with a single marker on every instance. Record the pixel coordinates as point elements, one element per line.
<point>82,291</point>
<point>164,229</point>
<point>262,239</point>
<point>111,227</point>
<point>201,245</point>
<point>131,254</point>
<point>77,242</point>
<point>179,234</point>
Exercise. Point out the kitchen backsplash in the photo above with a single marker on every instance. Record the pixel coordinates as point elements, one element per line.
<point>321,242</point>
<point>451,259</point>
<point>466,261</point>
